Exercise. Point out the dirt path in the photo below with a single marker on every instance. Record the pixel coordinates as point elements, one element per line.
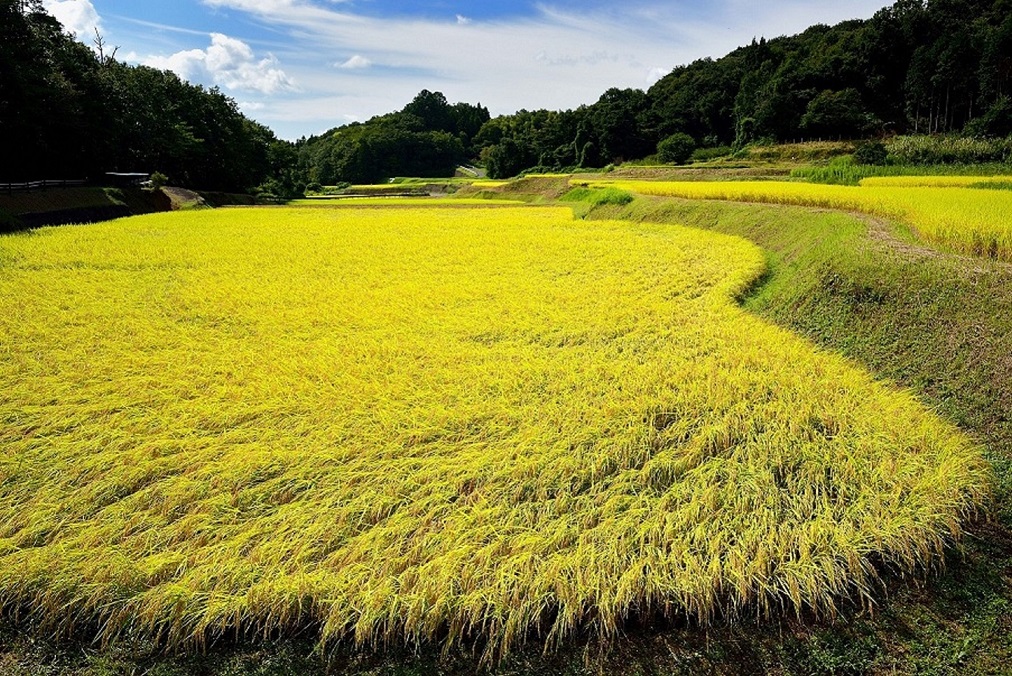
<point>882,232</point>
<point>182,198</point>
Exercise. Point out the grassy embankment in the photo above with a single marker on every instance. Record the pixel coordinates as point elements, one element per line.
<point>848,173</point>
<point>58,199</point>
<point>60,206</point>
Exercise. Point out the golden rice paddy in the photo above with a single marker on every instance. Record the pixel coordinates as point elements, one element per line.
<point>933,181</point>
<point>976,222</point>
<point>489,184</point>
<point>397,201</point>
<point>437,425</point>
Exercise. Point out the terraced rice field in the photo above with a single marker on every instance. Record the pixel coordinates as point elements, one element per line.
<point>934,181</point>
<point>970,221</point>
<point>437,424</point>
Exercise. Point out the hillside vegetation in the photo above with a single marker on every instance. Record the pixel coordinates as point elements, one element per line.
<point>916,67</point>
<point>69,113</point>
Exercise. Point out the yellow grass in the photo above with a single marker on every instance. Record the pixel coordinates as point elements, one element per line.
<point>489,184</point>
<point>931,181</point>
<point>436,424</point>
<point>977,222</point>
<point>382,201</point>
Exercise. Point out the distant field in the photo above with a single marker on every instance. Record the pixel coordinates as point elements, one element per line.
<point>977,222</point>
<point>448,424</point>
<point>331,201</point>
<point>934,181</point>
<point>489,184</point>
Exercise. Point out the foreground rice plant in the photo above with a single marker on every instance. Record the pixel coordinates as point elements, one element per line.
<point>436,424</point>
<point>976,222</point>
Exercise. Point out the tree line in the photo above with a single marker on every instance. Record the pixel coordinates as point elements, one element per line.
<point>918,66</point>
<point>67,111</point>
<point>428,138</point>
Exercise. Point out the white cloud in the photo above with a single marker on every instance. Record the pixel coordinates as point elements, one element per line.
<point>228,62</point>
<point>551,58</point>
<point>655,74</point>
<point>355,62</point>
<point>77,16</point>
<point>462,20</point>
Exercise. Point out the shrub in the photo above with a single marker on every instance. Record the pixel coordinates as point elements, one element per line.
<point>158,180</point>
<point>676,149</point>
<point>995,123</point>
<point>713,153</point>
<point>598,196</point>
<point>9,222</point>
<point>871,152</point>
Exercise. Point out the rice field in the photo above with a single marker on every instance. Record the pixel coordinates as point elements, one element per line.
<point>397,201</point>
<point>489,184</point>
<point>933,181</point>
<point>969,221</point>
<point>433,424</point>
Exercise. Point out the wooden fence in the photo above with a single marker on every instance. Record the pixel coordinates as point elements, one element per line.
<point>10,188</point>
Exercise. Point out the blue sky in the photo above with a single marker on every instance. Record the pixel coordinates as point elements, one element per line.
<point>304,66</point>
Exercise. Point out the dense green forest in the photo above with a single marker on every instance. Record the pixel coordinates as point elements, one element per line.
<point>427,138</point>
<point>938,66</point>
<point>917,67</point>
<point>67,111</point>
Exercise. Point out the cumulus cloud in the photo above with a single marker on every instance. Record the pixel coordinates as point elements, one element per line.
<point>77,16</point>
<point>228,62</point>
<point>655,74</point>
<point>355,62</point>
<point>554,56</point>
<point>586,51</point>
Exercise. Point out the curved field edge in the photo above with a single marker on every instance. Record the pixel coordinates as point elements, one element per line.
<point>936,323</point>
<point>908,316</point>
<point>966,220</point>
<point>682,500</point>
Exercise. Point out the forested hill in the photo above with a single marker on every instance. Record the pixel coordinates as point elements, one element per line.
<point>919,66</point>
<point>428,138</point>
<point>69,112</point>
<point>915,67</point>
